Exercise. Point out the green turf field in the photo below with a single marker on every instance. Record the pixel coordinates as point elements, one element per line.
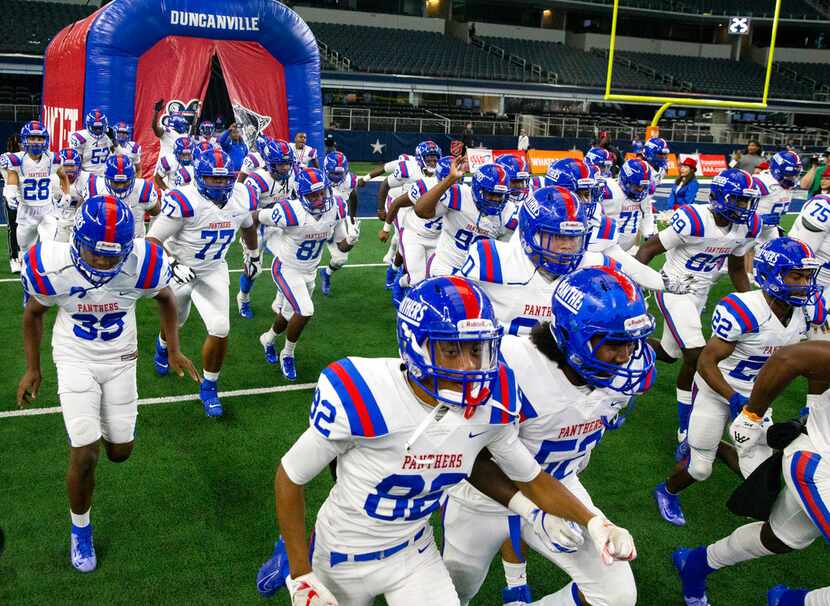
<point>190,517</point>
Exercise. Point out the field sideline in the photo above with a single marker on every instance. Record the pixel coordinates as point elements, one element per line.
<point>190,517</point>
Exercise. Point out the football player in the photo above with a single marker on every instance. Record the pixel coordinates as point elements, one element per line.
<point>576,374</point>
<point>305,156</point>
<point>519,175</point>
<point>799,514</point>
<point>168,130</point>
<point>746,328</point>
<point>601,158</point>
<point>404,430</point>
<point>125,146</point>
<point>301,229</point>
<point>656,152</point>
<point>273,182</point>
<point>94,281</point>
<point>92,142</point>
<point>470,213</point>
<point>63,215</point>
<point>198,222</point>
<point>254,159</point>
<point>28,187</point>
<point>119,180</point>
<point>207,130</point>
<point>176,169</point>
<point>626,199</point>
<point>698,241</point>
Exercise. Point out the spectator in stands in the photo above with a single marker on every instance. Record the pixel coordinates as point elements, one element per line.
<point>12,147</point>
<point>817,180</point>
<point>233,145</point>
<point>684,190</point>
<point>749,158</point>
<point>524,141</point>
<point>467,136</point>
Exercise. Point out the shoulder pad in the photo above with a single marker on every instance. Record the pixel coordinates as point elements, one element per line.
<point>485,254</point>
<point>607,228</point>
<point>182,208</point>
<point>14,160</point>
<point>452,197</point>
<point>754,226</point>
<point>818,216</point>
<point>352,180</point>
<point>251,197</point>
<point>342,210</point>
<point>154,266</point>
<point>36,281</point>
<point>183,175</point>
<point>526,410</point>
<point>762,186</point>
<point>607,194</point>
<point>165,163</point>
<point>687,221</point>
<point>148,193</point>
<point>417,189</point>
<point>403,171</point>
<point>352,409</point>
<point>512,221</point>
<point>284,213</point>
<point>739,318</point>
<point>505,393</point>
<point>92,185</point>
<point>76,139</point>
<point>257,181</point>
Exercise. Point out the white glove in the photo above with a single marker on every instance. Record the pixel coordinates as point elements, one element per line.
<point>746,432</point>
<point>307,590</point>
<point>251,262</point>
<point>64,202</point>
<point>559,534</point>
<point>677,286</point>
<point>612,542</point>
<point>182,274</point>
<point>11,193</point>
<point>354,231</point>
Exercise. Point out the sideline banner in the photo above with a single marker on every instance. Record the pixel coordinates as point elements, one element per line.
<point>711,164</point>
<point>478,156</point>
<point>540,159</point>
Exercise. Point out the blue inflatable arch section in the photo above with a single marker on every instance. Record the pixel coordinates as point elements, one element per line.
<point>126,29</point>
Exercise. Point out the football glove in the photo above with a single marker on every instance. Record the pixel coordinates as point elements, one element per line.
<point>558,533</point>
<point>307,590</point>
<point>612,542</point>
<point>677,286</point>
<point>10,193</point>
<point>354,231</point>
<point>182,274</point>
<point>251,262</point>
<point>746,431</point>
<point>64,202</point>
<point>158,105</point>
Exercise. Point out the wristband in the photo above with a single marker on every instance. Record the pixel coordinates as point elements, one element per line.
<point>521,505</point>
<point>751,415</point>
<point>367,177</point>
<point>387,227</point>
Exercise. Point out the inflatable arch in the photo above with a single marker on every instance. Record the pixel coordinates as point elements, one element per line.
<point>130,53</point>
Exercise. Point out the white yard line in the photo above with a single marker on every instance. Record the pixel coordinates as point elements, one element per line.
<point>34,412</point>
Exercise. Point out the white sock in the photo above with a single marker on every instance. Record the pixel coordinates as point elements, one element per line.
<point>743,544</point>
<point>684,396</point>
<point>163,343</point>
<point>80,520</point>
<point>211,376</point>
<point>269,336</point>
<point>818,597</point>
<point>515,574</point>
<point>812,398</point>
<point>244,297</point>
<point>288,349</point>
<point>563,597</point>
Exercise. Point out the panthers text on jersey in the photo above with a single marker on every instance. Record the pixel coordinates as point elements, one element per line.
<point>812,226</point>
<point>143,197</point>
<point>463,224</point>
<point>365,414</point>
<point>94,152</point>
<point>631,216</point>
<point>299,237</point>
<point>132,150</point>
<point>196,231</point>
<point>270,190</point>
<point>34,176</point>
<point>94,324</point>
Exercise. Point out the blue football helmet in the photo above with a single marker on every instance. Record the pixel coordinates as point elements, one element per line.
<point>178,123</point>
<point>70,162</point>
<point>216,164</point>
<point>490,189</point>
<point>96,123</point>
<point>427,154</point>
<point>199,149</point>
<point>601,157</point>
<point>336,165</point>
<point>438,315</point>
<point>260,142</point>
<point>553,217</point>
<point>596,305</point>
<point>183,150</point>
<point>206,129</point>
<point>122,133</point>
<point>311,189</point>
<point>443,168</point>
<point>34,138</point>
<point>734,195</point>
<point>518,175</point>
<point>656,152</point>
<point>575,176</point>
<point>104,227</point>
<point>786,167</point>
<point>778,257</point>
<point>279,159</point>
<point>119,176</point>
<point>636,179</point>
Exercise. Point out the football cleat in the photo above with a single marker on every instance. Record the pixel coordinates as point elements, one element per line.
<point>391,272</point>
<point>668,505</point>
<point>516,596</point>
<point>209,395</point>
<point>244,307</point>
<point>325,284</point>
<point>693,569</point>
<point>268,346</point>
<point>272,575</point>
<point>289,371</point>
<point>781,595</point>
<point>160,359</point>
<point>81,549</point>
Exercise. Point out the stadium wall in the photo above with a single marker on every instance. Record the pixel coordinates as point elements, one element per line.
<point>321,15</point>
<point>796,55</point>
<point>586,42</point>
<point>520,33</point>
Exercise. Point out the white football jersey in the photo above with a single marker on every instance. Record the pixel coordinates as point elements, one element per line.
<point>77,189</point>
<point>696,245</point>
<point>196,231</point>
<point>604,231</point>
<point>425,229</point>
<point>774,202</point>
<point>303,156</point>
<point>252,162</point>
<point>818,422</point>
<point>365,412</point>
<point>345,188</point>
<point>34,176</point>
<point>404,173</point>
<point>812,226</point>
<point>559,423</point>
<point>167,141</point>
<point>144,197</point>
<point>172,172</point>
<point>269,190</point>
<point>629,214</point>
<point>463,224</point>
<point>132,150</point>
<point>94,152</point>
<point>299,237</point>
<point>745,319</point>
<point>93,324</point>
<point>520,292</point>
